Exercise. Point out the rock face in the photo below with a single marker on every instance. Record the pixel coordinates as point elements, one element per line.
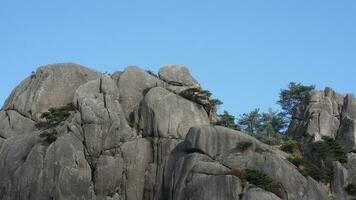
<point>135,136</point>
<point>51,86</point>
<point>212,151</point>
<point>325,113</point>
<point>177,75</point>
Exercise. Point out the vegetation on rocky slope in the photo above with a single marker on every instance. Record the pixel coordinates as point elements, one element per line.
<point>259,179</point>
<point>269,127</point>
<point>53,118</point>
<point>317,163</point>
<point>329,150</point>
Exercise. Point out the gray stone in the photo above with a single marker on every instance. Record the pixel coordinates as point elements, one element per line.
<point>12,123</point>
<point>66,173</point>
<point>347,133</point>
<point>133,85</point>
<point>20,164</point>
<point>349,107</point>
<point>102,118</point>
<point>212,187</point>
<point>109,176</point>
<point>165,114</point>
<point>177,75</point>
<point>116,76</point>
<point>339,181</point>
<point>170,151</point>
<point>51,86</point>
<point>216,141</point>
<point>317,117</point>
<point>255,193</point>
<point>137,155</point>
<point>219,144</point>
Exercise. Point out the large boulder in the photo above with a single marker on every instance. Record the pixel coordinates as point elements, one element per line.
<point>317,117</point>
<point>347,130</point>
<point>255,193</point>
<point>177,75</point>
<point>167,115</point>
<point>65,166</point>
<point>21,162</point>
<point>221,146</point>
<point>133,84</point>
<point>343,175</point>
<point>13,123</point>
<point>101,116</point>
<point>51,86</point>
<point>325,113</point>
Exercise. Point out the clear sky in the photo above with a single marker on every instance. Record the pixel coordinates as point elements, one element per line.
<point>243,51</point>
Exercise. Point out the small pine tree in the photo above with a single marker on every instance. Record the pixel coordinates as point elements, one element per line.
<point>228,121</point>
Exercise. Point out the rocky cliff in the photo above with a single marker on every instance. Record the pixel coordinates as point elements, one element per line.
<point>136,136</point>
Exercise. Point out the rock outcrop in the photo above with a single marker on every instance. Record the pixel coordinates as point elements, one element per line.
<point>177,75</point>
<point>325,113</point>
<point>328,113</point>
<point>137,136</point>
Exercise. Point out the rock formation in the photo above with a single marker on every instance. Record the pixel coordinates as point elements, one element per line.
<point>328,113</point>
<point>135,136</point>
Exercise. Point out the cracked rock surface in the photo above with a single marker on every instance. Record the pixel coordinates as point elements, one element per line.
<point>132,136</point>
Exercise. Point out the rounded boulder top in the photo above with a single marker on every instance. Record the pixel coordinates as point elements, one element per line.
<point>50,86</point>
<point>177,75</point>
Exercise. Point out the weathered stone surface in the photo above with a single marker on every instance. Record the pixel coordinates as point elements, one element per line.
<point>255,193</point>
<point>339,182</point>
<point>165,114</point>
<point>177,75</point>
<point>12,123</point>
<point>51,86</point>
<point>102,118</point>
<point>317,117</point>
<point>66,173</point>
<point>347,130</point>
<point>109,176</point>
<point>133,84</point>
<point>170,151</point>
<point>196,175</point>
<point>219,144</point>
<point>349,107</point>
<point>211,187</point>
<point>137,155</point>
<point>343,175</point>
<point>326,113</point>
<point>215,141</point>
<point>20,165</point>
<point>347,133</point>
<point>161,150</point>
<point>116,76</point>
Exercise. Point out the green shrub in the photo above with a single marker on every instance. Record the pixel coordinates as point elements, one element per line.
<point>329,150</point>
<point>242,146</point>
<point>307,168</point>
<point>290,146</point>
<point>260,179</point>
<point>351,189</point>
<point>56,115</point>
<point>202,97</point>
<point>228,121</point>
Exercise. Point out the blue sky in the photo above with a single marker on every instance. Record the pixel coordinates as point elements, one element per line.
<point>243,51</point>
